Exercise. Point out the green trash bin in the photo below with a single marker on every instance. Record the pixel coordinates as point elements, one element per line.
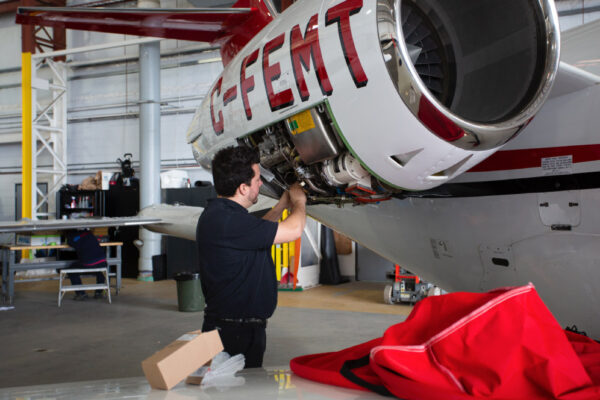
<point>189,292</point>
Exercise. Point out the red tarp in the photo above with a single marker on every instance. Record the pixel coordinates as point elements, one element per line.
<point>504,344</point>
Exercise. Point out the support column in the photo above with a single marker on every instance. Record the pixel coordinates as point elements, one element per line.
<point>149,150</point>
<point>52,140</point>
<point>27,48</point>
<point>26,146</point>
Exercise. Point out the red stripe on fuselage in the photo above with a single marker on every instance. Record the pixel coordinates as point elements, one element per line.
<point>532,158</point>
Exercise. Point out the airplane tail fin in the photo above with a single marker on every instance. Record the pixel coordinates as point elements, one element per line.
<point>231,28</point>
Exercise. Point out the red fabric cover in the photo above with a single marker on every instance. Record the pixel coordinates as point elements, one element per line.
<point>504,344</point>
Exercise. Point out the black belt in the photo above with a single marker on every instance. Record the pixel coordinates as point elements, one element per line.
<point>237,320</point>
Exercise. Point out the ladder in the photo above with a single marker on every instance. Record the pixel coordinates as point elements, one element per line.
<point>71,288</point>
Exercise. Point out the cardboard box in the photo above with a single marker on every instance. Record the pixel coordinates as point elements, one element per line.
<point>193,380</point>
<point>169,366</point>
<point>101,231</point>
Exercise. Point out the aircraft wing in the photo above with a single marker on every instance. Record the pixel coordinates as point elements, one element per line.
<point>231,28</point>
<point>81,223</point>
<point>571,79</point>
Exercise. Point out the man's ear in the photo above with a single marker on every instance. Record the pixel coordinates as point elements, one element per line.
<point>243,189</point>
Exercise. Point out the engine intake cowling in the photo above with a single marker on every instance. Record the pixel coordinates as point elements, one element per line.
<point>474,73</point>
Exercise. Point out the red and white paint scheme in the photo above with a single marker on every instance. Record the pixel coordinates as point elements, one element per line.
<point>331,54</point>
<point>469,154</point>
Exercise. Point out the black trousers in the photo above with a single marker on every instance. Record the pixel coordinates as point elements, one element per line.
<point>247,338</point>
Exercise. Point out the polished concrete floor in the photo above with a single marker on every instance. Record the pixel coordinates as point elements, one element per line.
<point>269,383</point>
<point>92,340</point>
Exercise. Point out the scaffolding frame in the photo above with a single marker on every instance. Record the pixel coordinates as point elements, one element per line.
<point>45,124</point>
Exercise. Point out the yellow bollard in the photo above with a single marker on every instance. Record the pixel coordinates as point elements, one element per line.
<point>286,255</point>
<point>278,261</point>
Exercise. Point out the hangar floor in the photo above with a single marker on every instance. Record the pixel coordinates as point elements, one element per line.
<point>94,340</point>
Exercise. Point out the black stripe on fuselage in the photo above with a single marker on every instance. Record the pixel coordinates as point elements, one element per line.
<point>554,183</point>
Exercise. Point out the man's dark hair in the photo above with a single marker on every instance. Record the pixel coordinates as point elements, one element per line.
<point>231,167</point>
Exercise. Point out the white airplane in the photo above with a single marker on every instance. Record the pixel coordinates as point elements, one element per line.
<point>411,125</point>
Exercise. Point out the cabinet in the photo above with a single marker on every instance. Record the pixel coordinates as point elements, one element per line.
<point>182,254</point>
<point>124,201</point>
<point>80,203</point>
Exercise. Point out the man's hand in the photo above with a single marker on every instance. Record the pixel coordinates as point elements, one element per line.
<point>297,195</point>
<point>285,201</point>
<point>292,227</point>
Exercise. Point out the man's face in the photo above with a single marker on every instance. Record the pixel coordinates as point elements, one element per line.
<point>255,185</point>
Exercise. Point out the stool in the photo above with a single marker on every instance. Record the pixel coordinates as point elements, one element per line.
<point>72,288</point>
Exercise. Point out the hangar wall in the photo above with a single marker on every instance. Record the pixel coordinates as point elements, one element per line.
<point>103,91</point>
<point>10,98</point>
<point>573,13</point>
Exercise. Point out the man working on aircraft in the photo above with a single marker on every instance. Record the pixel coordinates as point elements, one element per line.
<point>236,269</point>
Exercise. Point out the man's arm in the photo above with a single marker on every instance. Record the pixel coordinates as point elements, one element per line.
<point>292,227</point>
<point>275,213</point>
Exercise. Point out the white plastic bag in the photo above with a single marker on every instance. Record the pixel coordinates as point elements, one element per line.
<point>221,372</point>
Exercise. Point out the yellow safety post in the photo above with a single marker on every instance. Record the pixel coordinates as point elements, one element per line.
<point>278,261</point>
<point>286,255</point>
<point>285,258</point>
<point>26,125</point>
<point>26,135</point>
<point>292,258</point>
<point>278,251</point>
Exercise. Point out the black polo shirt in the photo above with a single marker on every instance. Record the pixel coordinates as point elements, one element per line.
<point>236,270</point>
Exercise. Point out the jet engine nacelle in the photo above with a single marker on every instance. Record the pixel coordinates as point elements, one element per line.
<point>362,98</point>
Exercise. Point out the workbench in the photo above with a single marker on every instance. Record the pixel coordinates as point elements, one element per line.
<point>10,266</point>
